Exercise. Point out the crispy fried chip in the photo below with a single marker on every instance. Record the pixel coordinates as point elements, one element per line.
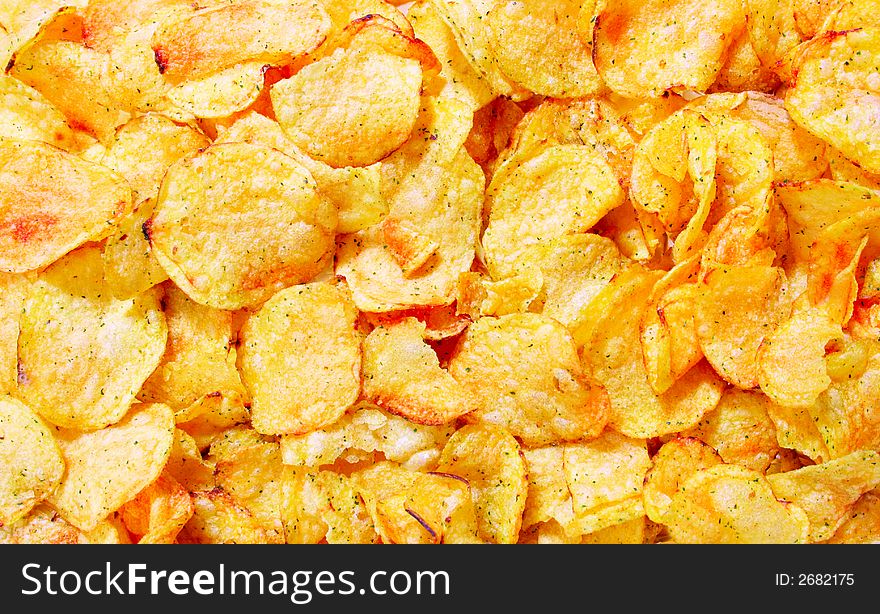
<point>254,476</point>
<point>185,464</point>
<point>861,523</point>
<point>237,222</point>
<point>220,94</point>
<point>108,467</point>
<point>130,268</point>
<point>674,463</point>
<point>524,373</point>
<point>402,374</point>
<point>157,514</point>
<point>300,358</point>
<point>491,461</point>
<point>826,491</point>
<point>14,289</point>
<point>835,94</point>
<point>26,114</point>
<point>325,507</point>
<point>218,519</point>
<point>52,202</point>
<point>31,460</point>
<point>729,504</point>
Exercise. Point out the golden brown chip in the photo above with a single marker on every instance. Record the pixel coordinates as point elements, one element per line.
<point>218,519</point>
<point>325,507</point>
<point>157,514</point>
<point>237,222</point>
<point>402,374</point>
<point>490,460</point>
<point>14,289</point>
<point>525,375</point>
<point>130,267</point>
<point>253,475</point>
<point>185,464</point>
<point>102,349</point>
<point>219,94</point>
<point>42,525</point>
<point>31,460</point>
<point>671,466</point>
<point>26,114</point>
<point>107,468</point>
<point>861,523</point>
<point>826,491</point>
<point>300,358</point>
<point>52,202</point>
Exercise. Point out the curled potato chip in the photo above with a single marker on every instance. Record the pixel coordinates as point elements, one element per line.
<point>26,114</point>
<point>41,219</point>
<point>268,226</point>
<point>490,460</point>
<point>628,35</point>
<point>738,308</point>
<point>220,94</point>
<point>575,178</point>
<point>525,375</point>
<point>478,296</point>
<point>13,293</point>
<point>826,491</point>
<point>199,361</point>
<point>101,348</point>
<point>32,463</point>
<point>612,354</point>
<point>300,358</point>
<point>743,70</point>
<point>42,525</point>
<point>861,523</point>
<point>411,507</point>
<point>797,430</point>
<point>218,519</point>
<point>130,267</point>
<point>740,430</point>
<point>157,514</point>
<point>186,465</point>
<point>368,429</point>
<point>440,322</point>
<point>834,95</point>
<point>549,58</point>
<point>671,466</point>
<point>548,497</point>
<point>108,467</point>
<point>325,507</point>
<point>377,105</point>
<point>254,476</point>
<point>729,504</point>
<point>402,374</point>
<point>791,360</point>
<point>211,39</point>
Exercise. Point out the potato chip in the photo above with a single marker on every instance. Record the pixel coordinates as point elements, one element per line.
<point>220,94</point>
<point>300,358</point>
<point>524,373</point>
<point>417,508</point>
<point>186,466</point>
<point>629,532</point>
<point>325,507</point>
<point>369,429</point>
<point>629,34</point>
<point>402,374</point>
<point>743,70</point>
<point>268,226</point>
<point>575,178</point>
<point>440,322</point>
<point>42,525</point>
<point>490,460</point>
<point>157,514</point>
<point>842,169</point>
<point>550,57</point>
<point>254,476</point>
<point>215,38</point>
<point>773,30</point>
<point>208,419</point>
<point>738,308</point>
<point>826,491</point>
<point>548,497</point>
<point>108,467</point>
<point>26,115</point>
<point>797,430</point>
<point>729,504</point>
<point>218,519</point>
<point>676,461</point>
<point>32,462</point>
<point>377,106</point>
<point>76,80</point>
<point>791,360</point>
<point>612,354</point>
<point>130,268</point>
<point>42,220</point>
<point>861,523</point>
<point>740,430</point>
<point>477,295</point>
<point>14,289</point>
<point>834,95</point>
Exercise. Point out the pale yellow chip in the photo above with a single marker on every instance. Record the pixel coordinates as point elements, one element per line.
<point>157,514</point>
<point>199,361</point>
<point>237,222</point>
<point>186,465</point>
<point>835,94</point>
<point>211,39</point>
<point>218,519</point>
<point>130,267</point>
<point>671,466</point>
<point>219,94</point>
<point>549,57</point>
<point>491,461</point>
<point>729,504</point>
<point>612,354</point>
<point>861,524</point>
<point>548,497</point>
<point>791,360</point>
<point>254,476</point>
<point>300,358</point>
<point>31,460</point>
<point>738,308</point>
<point>477,295</point>
<point>642,49</point>
<point>740,429</point>
<point>368,429</point>
<point>376,105</point>
<point>523,371</point>
<point>743,70</point>
<point>796,429</point>
<point>108,467</point>
<point>826,491</point>
<point>402,374</point>
<point>575,178</point>
<point>26,114</point>
<point>42,525</point>
<point>412,507</point>
<point>82,354</point>
<point>14,289</point>
<point>52,202</point>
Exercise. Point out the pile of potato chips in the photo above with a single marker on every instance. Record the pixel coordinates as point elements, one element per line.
<point>459,271</point>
